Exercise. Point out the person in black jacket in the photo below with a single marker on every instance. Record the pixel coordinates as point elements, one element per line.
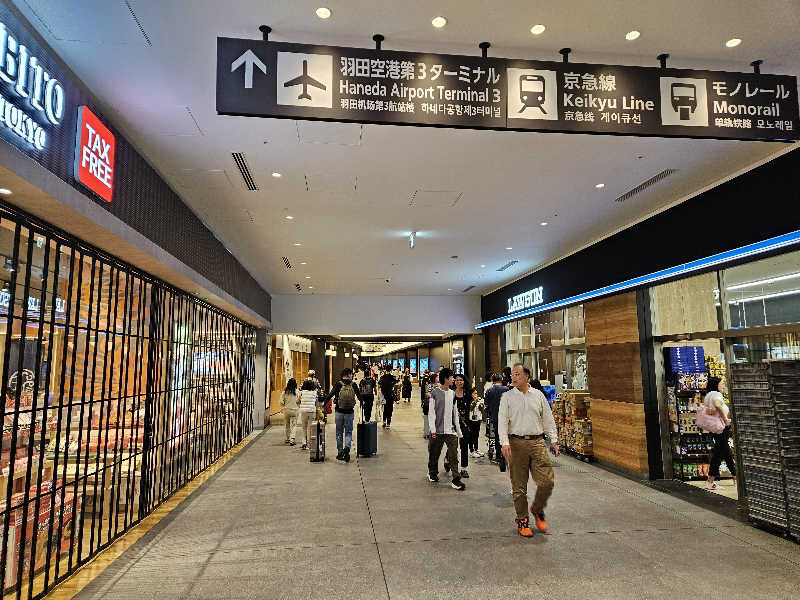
<point>492,401</point>
<point>366,389</point>
<point>406,391</point>
<point>463,401</point>
<point>387,383</point>
<point>345,402</point>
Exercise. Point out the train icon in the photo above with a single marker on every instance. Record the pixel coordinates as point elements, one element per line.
<point>532,92</point>
<point>684,99</point>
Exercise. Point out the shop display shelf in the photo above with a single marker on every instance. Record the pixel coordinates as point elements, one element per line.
<point>785,367</point>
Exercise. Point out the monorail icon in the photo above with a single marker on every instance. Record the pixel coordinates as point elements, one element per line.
<point>684,99</point>
<point>532,92</point>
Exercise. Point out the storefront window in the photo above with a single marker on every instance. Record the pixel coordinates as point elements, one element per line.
<point>764,292</point>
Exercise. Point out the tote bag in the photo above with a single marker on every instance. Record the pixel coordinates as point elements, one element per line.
<point>712,423</point>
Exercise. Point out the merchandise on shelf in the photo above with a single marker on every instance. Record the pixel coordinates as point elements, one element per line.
<point>684,359</point>
<point>572,414</point>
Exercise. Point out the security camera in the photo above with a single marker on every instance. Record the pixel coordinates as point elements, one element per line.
<point>388,280</point>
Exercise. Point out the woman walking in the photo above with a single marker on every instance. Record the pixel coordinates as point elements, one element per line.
<point>476,411</point>
<point>307,411</point>
<point>406,391</point>
<point>289,402</point>
<point>463,400</point>
<point>714,404</point>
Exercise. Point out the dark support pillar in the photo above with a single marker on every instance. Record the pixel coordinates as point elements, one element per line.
<point>652,420</point>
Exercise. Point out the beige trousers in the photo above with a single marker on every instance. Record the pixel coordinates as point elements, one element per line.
<point>529,458</point>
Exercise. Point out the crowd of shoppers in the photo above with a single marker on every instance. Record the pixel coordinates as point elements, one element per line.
<point>518,421</point>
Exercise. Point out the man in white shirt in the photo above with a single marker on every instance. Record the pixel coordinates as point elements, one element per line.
<point>524,419</point>
<point>443,420</point>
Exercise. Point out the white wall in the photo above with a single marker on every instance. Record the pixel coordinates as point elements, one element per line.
<point>329,314</point>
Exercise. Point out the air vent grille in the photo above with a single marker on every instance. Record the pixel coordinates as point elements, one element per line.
<point>244,170</point>
<point>466,289</point>
<point>646,184</point>
<point>299,287</point>
<point>508,265</point>
<point>286,262</point>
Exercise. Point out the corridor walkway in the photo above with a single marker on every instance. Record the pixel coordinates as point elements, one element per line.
<point>272,525</point>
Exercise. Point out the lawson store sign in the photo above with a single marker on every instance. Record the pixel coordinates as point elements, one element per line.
<point>31,99</point>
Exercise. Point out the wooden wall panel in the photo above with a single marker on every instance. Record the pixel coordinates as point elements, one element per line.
<point>612,320</point>
<point>615,372</point>
<point>493,334</point>
<point>619,436</point>
<point>685,306</point>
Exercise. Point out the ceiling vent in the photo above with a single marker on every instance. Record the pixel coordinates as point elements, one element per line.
<point>286,262</point>
<point>139,24</point>
<point>508,265</point>
<point>466,289</point>
<point>299,287</point>
<point>244,170</point>
<point>646,184</point>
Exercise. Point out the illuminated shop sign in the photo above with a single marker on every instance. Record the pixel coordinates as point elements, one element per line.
<point>34,304</point>
<point>94,154</point>
<point>31,96</point>
<point>525,300</point>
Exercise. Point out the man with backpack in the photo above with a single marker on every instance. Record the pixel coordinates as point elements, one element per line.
<point>345,394</point>
<point>366,389</point>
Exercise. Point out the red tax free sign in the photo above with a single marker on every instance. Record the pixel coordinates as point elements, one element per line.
<point>94,154</point>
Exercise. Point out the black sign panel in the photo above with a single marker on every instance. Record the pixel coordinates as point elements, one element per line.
<point>274,79</point>
<point>352,84</point>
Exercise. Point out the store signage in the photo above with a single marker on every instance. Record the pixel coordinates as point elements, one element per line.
<point>94,154</point>
<point>34,304</point>
<point>525,300</point>
<point>296,81</point>
<point>32,98</point>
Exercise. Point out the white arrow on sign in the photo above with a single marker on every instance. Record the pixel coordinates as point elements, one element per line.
<point>248,59</point>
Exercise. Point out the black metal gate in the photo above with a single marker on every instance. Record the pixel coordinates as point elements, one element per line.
<point>118,389</point>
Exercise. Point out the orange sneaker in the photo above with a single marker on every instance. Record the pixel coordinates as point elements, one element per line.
<point>524,528</point>
<point>541,524</point>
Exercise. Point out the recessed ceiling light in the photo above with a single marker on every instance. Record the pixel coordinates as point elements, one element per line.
<point>509,248</point>
<point>311,287</point>
<point>290,217</point>
<point>298,244</point>
<point>483,266</point>
<point>5,191</point>
<point>600,186</point>
<point>308,276</point>
<point>276,174</point>
<point>323,12</point>
<point>438,22</point>
<point>538,29</point>
<point>733,42</point>
<point>302,263</point>
<point>449,289</point>
<point>632,35</point>
<point>543,223</point>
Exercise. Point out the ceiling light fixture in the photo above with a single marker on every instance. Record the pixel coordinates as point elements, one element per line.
<point>543,223</point>
<point>323,12</point>
<point>298,244</point>
<point>509,248</point>
<point>290,217</point>
<point>632,35</point>
<point>733,42</point>
<point>276,175</point>
<point>600,186</point>
<point>308,276</point>
<point>483,266</point>
<point>439,22</point>
<point>740,286</point>
<point>302,263</point>
<point>538,29</point>
<point>449,289</point>
<point>5,191</point>
<point>311,287</point>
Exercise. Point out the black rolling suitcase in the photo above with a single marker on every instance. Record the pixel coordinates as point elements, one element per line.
<point>367,437</point>
<point>316,445</point>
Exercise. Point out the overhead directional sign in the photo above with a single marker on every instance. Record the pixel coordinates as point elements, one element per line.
<point>331,83</point>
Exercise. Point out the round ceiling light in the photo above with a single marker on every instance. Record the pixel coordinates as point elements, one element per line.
<point>483,266</point>
<point>543,223</point>
<point>323,12</point>
<point>600,186</point>
<point>538,29</point>
<point>509,248</point>
<point>308,276</point>
<point>632,35</point>
<point>290,217</point>
<point>298,244</point>
<point>5,191</point>
<point>733,42</point>
<point>302,263</point>
<point>276,174</point>
<point>311,287</point>
<point>438,22</point>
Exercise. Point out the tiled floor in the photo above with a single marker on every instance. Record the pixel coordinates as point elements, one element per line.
<point>273,525</point>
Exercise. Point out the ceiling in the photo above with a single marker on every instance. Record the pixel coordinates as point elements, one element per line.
<point>151,64</point>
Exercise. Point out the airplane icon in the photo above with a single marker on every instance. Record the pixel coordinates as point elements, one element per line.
<point>305,80</point>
